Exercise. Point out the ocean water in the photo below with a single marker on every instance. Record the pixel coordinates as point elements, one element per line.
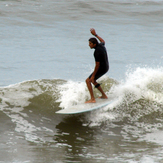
<point>44,61</point>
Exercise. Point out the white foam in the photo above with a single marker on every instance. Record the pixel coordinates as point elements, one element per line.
<point>19,94</point>
<point>72,93</point>
<point>142,83</point>
<point>139,84</point>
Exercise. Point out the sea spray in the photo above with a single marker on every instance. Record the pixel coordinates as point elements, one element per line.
<point>140,95</point>
<point>72,93</point>
<point>139,99</point>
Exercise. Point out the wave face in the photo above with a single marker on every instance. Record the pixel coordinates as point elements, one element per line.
<point>28,111</point>
<point>140,96</point>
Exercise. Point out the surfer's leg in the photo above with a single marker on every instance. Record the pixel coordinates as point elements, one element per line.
<point>97,85</point>
<point>89,85</point>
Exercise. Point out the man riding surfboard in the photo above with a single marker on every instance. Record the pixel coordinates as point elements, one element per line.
<point>101,65</point>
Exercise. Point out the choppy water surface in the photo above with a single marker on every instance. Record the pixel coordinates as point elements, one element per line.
<point>44,61</point>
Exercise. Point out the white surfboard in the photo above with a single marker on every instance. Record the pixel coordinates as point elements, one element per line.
<point>81,108</point>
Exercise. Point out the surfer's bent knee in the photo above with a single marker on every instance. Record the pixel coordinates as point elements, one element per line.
<point>88,80</point>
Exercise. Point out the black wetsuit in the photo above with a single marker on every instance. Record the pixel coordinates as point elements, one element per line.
<point>100,55</point>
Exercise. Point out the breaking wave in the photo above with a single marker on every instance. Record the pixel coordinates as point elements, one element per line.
<point>31,105</point>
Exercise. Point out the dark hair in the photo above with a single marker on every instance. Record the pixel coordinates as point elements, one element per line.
<point>93,40</point>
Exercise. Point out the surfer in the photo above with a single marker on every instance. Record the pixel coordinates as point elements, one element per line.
<point>101,65</point>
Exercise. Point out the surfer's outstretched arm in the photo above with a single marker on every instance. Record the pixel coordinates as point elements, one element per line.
<point>95,34</point>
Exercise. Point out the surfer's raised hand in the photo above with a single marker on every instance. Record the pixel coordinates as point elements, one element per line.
<point>92,30</point>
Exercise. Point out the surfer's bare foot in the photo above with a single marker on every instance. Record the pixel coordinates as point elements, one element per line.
<point>103,97</point>
<point>91,101</point>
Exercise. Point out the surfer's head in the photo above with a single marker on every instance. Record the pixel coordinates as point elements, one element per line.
<point>93,42</point>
